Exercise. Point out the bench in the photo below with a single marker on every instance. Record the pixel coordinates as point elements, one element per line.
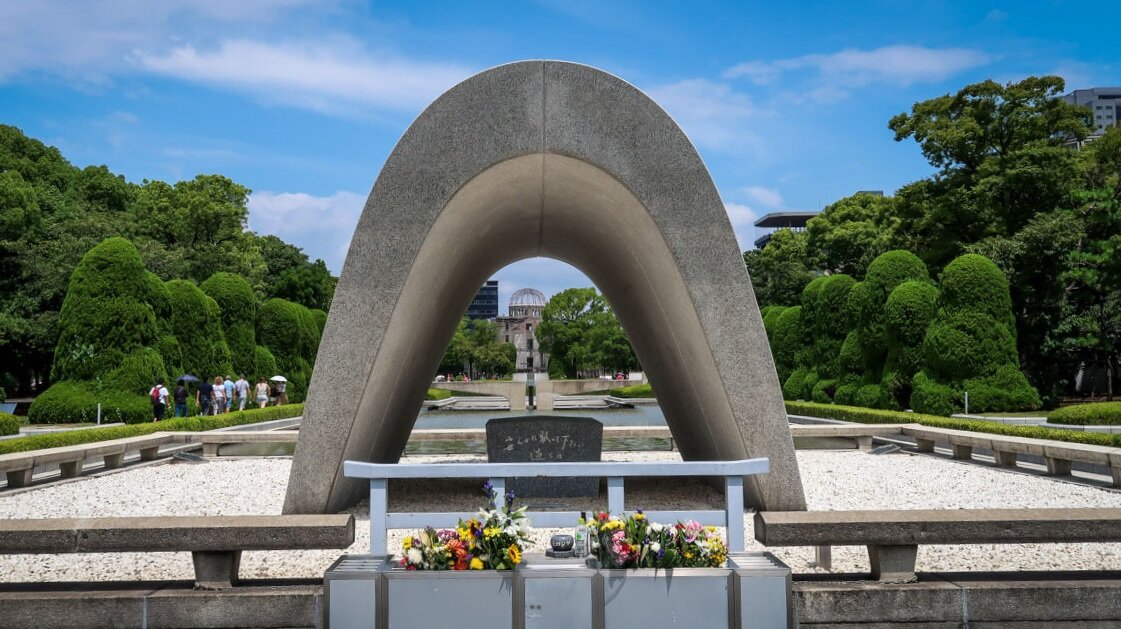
<point>215,542</point>
<point>1058,455</point>
<point>893,537</point>
<point>19,466</point>
<point>213,441</point>
<point>862,434</point>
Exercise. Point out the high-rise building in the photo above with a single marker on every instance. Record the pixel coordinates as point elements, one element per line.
<point>485,303</point>
<point>1104,104</point>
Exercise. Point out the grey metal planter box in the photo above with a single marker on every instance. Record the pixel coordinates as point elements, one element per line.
<point>365,592</point>
<point>421,599</point>
<point>681,597</point>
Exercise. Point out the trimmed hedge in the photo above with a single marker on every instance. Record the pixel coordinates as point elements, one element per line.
<point>1093,414</point>
<point>75,401</point>
<point>973,282</point>
<point>197,325</point>
<point>9,424</point>
<point>437,394</point>
<point>634,391</point>
<point>183,424</point>
<point>237,304</point>
<point>876,416</point>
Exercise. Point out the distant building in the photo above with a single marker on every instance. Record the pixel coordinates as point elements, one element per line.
<point>794,221</point>
<point>485,303</point>
<point>520,328</point>
<point>1104,104</point>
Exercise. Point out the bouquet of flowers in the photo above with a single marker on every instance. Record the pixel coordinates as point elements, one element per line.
<point>492,540</point>
<point>635,542</point>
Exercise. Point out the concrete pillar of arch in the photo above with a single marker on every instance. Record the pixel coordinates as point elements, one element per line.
<point>554,159</point>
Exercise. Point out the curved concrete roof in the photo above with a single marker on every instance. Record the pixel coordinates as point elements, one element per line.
<point>543,158</point>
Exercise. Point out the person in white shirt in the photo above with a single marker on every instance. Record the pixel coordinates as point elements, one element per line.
<point>158,394</point>
<point>241,388</point>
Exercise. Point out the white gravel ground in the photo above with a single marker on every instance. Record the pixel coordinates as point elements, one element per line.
<point>833,480</point>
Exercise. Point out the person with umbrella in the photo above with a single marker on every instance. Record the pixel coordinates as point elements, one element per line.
<point>281,384</point>
<point>181,394</point>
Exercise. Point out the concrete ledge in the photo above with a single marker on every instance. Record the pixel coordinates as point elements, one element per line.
<point>1034,600</point>
<point>161,604</point>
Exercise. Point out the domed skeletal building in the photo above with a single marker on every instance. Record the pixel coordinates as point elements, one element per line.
<point>519,328</point>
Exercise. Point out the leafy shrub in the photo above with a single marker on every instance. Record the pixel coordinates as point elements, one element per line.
<point>872,396</point>
<point>191,424</point>
<point>70,401</point>
<point>264,364</point>
<point>237,305</point>
<point>9,424</point>
<point>878,416</point>
<point>1005,389</point>
<point>137,373</point>
<point>850,360</point>
<point>320,318</point>
<point>794,385</point>
<point>197,325</point>
<point>1093,414</point>
<point>289,331</point>
<point>893,268</point>
<point>808,384</point>
<point>972,282</point>
<point>438,394</point>
<point>107,312</point>
<point>846,394</point>
<point>823,391</point>
<point>932,398</point>
<point>966,344</point>
<point>908,312</point>
<point>786,341</point>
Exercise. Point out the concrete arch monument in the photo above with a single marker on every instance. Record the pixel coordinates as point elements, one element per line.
<point>543,158</point>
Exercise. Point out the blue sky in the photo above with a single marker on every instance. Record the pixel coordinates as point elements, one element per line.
<point>302,100</point>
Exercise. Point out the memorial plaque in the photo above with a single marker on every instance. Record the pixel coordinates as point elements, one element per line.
<point>546,439</point>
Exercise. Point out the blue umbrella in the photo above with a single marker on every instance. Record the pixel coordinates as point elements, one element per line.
<point>186,378</point>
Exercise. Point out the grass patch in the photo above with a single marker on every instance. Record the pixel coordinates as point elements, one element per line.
<point>877,416</point>
<point>438,394</point>
<point>634,391</point>
<point>182,424</point>
<point>1092,414</point>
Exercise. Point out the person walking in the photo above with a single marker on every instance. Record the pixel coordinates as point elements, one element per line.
<point>158,394</point>
<point>204,396</point>
<point>181,399</point>
<point>241,388</point>
<point>219,402</point>
<point>229,385</point>
<point>281,395</point>
<point>262,393</point>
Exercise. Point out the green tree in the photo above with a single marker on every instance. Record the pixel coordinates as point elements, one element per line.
<point>780,270</point>
<point>848,234</point>
<point>582,335</point>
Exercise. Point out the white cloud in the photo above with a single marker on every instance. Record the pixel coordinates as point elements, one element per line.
<point>764,196</point>
<point>321,226</point>
<point>899,65</point>
<point>88,41</point>
<point>714,115</point>
<point>743,219</point>
<point>329,76</point>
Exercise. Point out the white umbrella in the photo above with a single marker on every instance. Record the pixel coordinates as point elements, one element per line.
<point>279,379</point>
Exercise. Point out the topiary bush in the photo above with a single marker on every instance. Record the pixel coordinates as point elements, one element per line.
<point>793,386</point>
<point>1005,389</point>
<point>808,384</point>
<point>823,391</point>
<point>264,364</point>
<point>137,373</point>
<point>930,397</point>
<point>9,424</point>
<point>786,341</point>
<point>320,318</point>
<point>872,396</point>
<point>1093,414</point>
<point>907,314</point>
<point>972,282</point>
<point>107,312</point>
<point>197,326</point>
<point>966,344</point>
<point>71,402</point>
<point>846,394</point>
<point>290,333</point>
<point>892,268</point>
<point>237,305</point>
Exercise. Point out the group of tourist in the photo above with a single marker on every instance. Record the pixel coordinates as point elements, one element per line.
<point>217,398</point>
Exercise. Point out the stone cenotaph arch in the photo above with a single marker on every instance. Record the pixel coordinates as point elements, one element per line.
<point>553,159</point>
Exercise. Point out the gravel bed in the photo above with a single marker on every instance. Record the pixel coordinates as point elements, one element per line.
<point>833,480</point>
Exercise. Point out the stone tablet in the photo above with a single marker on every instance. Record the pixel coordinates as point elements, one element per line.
<point>546,439</point>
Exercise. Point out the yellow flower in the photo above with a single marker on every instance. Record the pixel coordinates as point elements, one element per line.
<point>490,532</point>
<point>408,543</point>
<point>514,554</point>
<point>639,516</point>
<point>476,563</point>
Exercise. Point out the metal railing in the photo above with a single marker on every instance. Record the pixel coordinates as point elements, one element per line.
<point>380,473</point>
